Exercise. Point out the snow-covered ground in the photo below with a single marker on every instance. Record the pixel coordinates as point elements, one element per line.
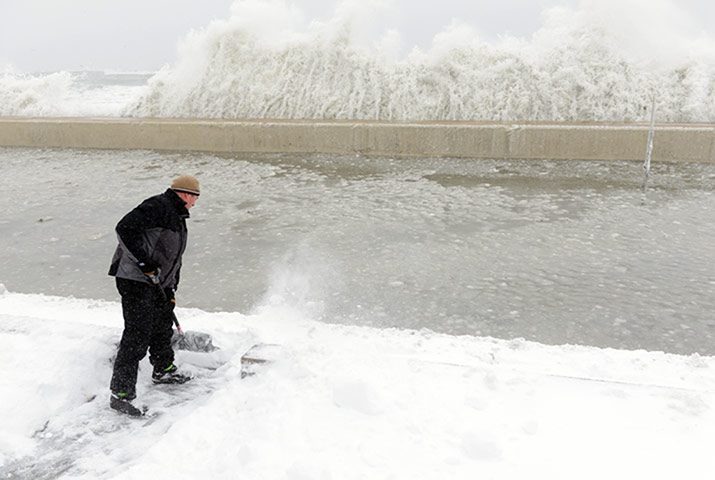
<point>343,402</point>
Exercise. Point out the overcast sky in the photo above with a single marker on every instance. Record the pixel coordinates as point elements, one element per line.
<point>142,35</point>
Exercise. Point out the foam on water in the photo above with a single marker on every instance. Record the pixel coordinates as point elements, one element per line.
<point>600,62</point>
<point>557,252</point>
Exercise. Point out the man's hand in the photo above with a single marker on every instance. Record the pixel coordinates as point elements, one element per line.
<point>170,299</point>
<point>151,270</point>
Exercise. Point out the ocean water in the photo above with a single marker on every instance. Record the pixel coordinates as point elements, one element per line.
<point>557,252</point>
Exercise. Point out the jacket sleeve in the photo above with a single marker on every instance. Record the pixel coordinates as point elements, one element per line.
<point>131,228</point>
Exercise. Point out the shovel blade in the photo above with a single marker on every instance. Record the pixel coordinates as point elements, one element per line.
<point>193,342</point>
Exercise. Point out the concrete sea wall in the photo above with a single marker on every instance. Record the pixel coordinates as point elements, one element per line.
<point>587,141</point>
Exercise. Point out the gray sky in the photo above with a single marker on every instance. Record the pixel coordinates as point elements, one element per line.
<point>139,35</point>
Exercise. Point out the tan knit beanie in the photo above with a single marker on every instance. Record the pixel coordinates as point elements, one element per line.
<point>186,184</point>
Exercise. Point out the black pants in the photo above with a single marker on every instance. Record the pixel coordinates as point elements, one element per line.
<point>147,325</point>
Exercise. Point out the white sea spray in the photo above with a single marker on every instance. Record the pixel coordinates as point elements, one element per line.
<point>599,61</point>
<point>577,67</point>
<point>33,95</point>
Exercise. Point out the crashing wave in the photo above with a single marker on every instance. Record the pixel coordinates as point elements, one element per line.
<point>570,71</point>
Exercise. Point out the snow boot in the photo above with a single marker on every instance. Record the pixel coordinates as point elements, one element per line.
<point>169,375</point>
<point>122,403</point>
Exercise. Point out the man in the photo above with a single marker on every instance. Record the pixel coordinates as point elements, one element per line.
<point>146,264</point>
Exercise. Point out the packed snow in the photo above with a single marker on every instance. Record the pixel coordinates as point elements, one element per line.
<point>342,402</point>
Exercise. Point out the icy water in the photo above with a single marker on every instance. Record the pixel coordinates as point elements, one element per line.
<point>557,252</point>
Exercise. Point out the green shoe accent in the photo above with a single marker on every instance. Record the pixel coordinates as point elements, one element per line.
<point>170,375</point>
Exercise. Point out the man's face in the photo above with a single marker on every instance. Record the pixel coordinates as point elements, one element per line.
<point>188,199</point>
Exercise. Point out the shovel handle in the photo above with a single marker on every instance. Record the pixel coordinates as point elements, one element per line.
<point>173,315</point>
<point>176,322</point>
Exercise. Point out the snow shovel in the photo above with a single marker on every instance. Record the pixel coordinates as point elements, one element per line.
<point>191,341</point>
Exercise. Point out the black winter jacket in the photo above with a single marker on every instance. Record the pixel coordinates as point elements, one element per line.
<point>153,233</point>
